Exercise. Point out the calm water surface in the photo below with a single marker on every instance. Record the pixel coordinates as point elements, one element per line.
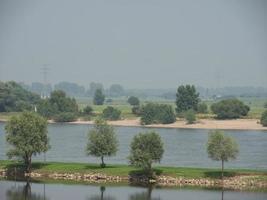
<point>183,147</point>
<point>10,190</point>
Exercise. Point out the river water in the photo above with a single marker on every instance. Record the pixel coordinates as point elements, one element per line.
<point>183,147</point>
<point>11,190</point>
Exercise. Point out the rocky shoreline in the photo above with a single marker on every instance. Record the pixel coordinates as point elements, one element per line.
<point>236,183</point>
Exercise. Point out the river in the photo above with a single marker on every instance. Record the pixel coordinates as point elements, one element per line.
<point>183,147</point>
<point>11,190</point>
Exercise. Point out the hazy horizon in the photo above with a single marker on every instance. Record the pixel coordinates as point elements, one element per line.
<point>138,44</point>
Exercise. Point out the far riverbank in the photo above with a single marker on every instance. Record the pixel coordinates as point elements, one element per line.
<point>235,124</point>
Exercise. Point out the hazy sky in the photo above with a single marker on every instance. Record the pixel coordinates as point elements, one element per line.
<point>136,43</point>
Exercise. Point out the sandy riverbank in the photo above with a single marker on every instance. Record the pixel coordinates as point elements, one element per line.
<point>237,124</point>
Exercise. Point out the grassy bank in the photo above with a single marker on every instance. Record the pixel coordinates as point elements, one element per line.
<point>124,170</point>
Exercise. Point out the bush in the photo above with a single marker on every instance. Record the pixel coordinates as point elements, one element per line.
<point>157,113</point>
<point>99,97</point>
<point>190,116</point>
<point>264,118</point>
<point>202,108</point>
<point>88,110</point>
<point>111,113</point>
<point>166,114</point>
<point>65,117</point>
<point>136,110</point>
<point>133,101</point>
<point>229,109</point>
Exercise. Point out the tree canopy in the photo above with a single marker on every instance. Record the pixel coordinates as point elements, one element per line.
<point>146,148</point>
<point>57,104</point>
<point>111,113</point>
<point>99,97</point>
<point>186,98</point>
<point>102,141</point>
<point>14,98</point>
<point>27,135</point>
<point>230,109</point>
<point>133,101</point>
<point>157,113</point>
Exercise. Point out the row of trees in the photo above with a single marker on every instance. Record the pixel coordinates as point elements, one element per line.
<point>27,135</point>
<point>75,90</point>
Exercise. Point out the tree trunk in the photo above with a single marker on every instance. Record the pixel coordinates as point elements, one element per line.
<point>28,163</point>
<point>102,162</point>
<point>222,168</point>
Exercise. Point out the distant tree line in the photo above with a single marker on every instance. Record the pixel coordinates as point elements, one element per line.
<point>14,98</point>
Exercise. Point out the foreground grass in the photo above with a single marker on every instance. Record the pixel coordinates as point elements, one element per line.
<point>124,170</point>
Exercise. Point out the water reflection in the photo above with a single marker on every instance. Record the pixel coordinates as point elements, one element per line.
<point>101,195</point>
<point>144,195</point>
<point>11,190</point>
<point>23,193</point>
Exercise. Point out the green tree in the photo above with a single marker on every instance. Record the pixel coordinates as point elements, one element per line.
<point>264,118</point>
<point>27,135</point>
<point>102,141</point>
<point>133,101</point>
<point>99,97</point>
<point>229,109</point>
<point>186,98</point>
<point>62,103</point>
<point>221,147</point>
<point>14,98</point>
<point>146,148</point>
<point>190,116</point>
<point>111,113</point>
<point>265,105</point>
<point>202,108</point>
<point>88,110</point>
<point>157,113</point>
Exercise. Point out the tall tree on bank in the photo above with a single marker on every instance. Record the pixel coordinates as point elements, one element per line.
<point>99,97</point>
<point>27,135</point>
<point>186,98</point>
<point>221,147</point>
<point>102,141</point>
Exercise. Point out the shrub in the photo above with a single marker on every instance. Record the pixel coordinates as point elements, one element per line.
<point>88,110</point>
<point>136,110</point>
<point>65,117</point>
<point>157,113</point>
<point>229,109</point>
<point>202,108</point>
<point>133,101</point>
<point>264,118</point>
<point>190,116</point>
<point>99,97</point>
<point>165,114</point>
<point>111,113</point>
